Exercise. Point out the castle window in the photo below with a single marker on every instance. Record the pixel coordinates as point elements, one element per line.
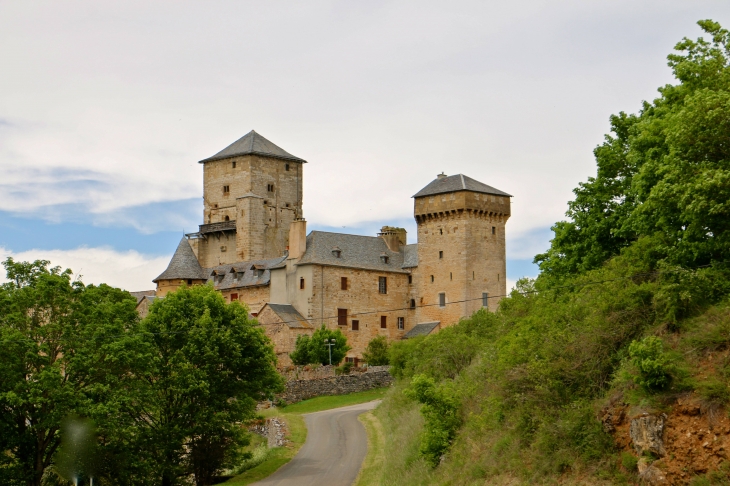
<point>226,218</point>
<point>226,189</point>
<point>287,204</point>
<point>441,231</point>
<point>384,258</point>
<point>287,167</point>
<point>383,285</point>
<point>494,230</point>
<point>341,317</point>
<point>270,187</point>
<point>343,283</point>
<point>413,303</point>
<point>473,276</point>
<point>442,299</point>
<point>451,276</point>
<point>485,299</point>
<point>336,252</point>
<point>441,254</point>
<point>233,164</point>
<point>190,281</point>
<point>301,283</point>
<point>234,297</point>
<point>383,322</point>
<point>401,323</point>
<point>355,325</point>
<point>431,278</point>
<point>410,279</point>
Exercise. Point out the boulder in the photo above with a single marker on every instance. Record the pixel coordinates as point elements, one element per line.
<point>647,434</point>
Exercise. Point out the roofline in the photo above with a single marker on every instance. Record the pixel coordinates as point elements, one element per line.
<point>463,190</point>
<point>260,154</point>
<point>244,286</point>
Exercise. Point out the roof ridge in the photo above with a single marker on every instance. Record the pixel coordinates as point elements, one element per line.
<point>463,184</point>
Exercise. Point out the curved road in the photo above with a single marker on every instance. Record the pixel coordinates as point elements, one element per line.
<point>333,452</point>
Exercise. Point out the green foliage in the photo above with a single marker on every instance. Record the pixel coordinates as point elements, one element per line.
<point>209,365</point>
<point>440,411</point>
<point>714,391</point>
<point>376,352</point>
<point>655,367</point>
<point>344,369</point>
<point>663,173</point>
<point>629,461</point>
<point>314,350</point>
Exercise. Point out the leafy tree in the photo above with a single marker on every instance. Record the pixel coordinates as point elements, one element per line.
<point>376,353</point>
<point>209,367</point>
<point>60,342</point>
<point>314,350</point>
<point>663,173</point>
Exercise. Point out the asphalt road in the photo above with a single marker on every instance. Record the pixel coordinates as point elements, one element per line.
<point>333,452</point>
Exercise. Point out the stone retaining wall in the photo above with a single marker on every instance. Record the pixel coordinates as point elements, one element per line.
<point>298,390</point>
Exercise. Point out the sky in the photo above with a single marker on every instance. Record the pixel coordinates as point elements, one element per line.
<point>107,107</point>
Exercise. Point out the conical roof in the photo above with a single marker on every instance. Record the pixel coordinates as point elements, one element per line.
<point>183,265</point>
<point>253,144</point>
<point>458,182</point>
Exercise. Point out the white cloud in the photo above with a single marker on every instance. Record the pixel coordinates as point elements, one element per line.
<point>110,105</point>
<point>129,270</point>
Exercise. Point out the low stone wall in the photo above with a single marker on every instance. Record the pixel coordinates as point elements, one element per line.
<point>315,372</point>
<point>298,390</point>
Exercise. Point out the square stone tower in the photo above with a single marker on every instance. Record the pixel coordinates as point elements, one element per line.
<point>461,248</point>
<point>252,191</point>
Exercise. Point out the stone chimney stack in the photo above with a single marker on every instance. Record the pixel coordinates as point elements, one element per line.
<point>394,237</point>
<point>441,176</point>
<point>297,238</point>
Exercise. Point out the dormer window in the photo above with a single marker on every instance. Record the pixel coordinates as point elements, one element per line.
<point>384,258</point>
<point>336,252</point>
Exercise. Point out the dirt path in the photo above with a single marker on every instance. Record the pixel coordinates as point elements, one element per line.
<point>333,453</point>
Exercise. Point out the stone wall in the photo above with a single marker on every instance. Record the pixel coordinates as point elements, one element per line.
<point>298,390</point>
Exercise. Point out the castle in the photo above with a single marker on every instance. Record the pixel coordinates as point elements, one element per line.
<point>254,248</point>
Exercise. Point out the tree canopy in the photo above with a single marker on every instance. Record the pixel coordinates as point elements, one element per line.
<point>314,350</point>
<point>662,174</point>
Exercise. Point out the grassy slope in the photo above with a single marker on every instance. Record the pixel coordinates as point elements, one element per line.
<point>530,381</point>
<point>292,415</point>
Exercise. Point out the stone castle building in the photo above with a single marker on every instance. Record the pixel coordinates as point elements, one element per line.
<point>254,248</point>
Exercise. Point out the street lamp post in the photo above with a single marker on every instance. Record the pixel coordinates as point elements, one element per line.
<point>329,343</point>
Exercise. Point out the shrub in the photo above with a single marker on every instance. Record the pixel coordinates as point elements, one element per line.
<point>313,350</point>
<point>376,354</point>
<point>629,461</point>
<point>344,369</point>
<point>652,362</point>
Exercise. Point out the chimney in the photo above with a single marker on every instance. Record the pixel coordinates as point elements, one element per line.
<point>441,176</point>
<point>394,237</point>
<point>297,238</point>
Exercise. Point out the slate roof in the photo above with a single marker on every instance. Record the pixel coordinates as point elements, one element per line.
<point>242,274</point>
<point>142,294</point>
<point>458,182</point>
<point>422,329</point>
<point>289,316</point>
<point>253,144</point>
<point>355,252</point>
<point>183,265</point>
<point>410,256</point>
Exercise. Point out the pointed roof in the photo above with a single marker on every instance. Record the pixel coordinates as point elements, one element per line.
<point>183,265</point>
<point>459,182</point>
<point>253,144</point>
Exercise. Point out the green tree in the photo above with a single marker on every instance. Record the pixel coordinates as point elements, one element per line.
<point>209,367</point>
<point>60,342</point>
<point>652,362</point>
<point>376,353</point>
<point>314,350</point>
<point>663,173</point>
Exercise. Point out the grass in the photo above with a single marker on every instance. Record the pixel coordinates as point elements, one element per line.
<point>292,415</point>
<point>372,467</point>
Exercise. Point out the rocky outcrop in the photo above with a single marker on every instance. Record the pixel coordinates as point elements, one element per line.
<point>647,434</point>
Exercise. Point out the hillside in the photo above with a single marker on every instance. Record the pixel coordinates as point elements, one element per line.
<point>612,366</point>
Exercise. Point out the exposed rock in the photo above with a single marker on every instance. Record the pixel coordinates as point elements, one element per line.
<point>643,465</point>
<point>653,475</point>
<point>647,434</point>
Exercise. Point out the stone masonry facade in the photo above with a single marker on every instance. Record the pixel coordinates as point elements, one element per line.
<point>254,248</point>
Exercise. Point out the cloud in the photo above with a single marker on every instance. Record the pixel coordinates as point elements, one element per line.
<point>129,270</point>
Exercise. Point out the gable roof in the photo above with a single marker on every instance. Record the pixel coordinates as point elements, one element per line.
<point>253,144</point>
<point>422,329</point>
<point>458,182</point>
<point>410,255</point>
<point>288,315</point>
<point>242,274</point>
<point>355,252</point>
<point>183,265</point>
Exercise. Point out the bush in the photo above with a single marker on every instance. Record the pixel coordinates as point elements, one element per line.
<point>652,362</point>
<point>344,369</point>
<point>376,354</point>
<point>629,461</point>
<point>313,350</point>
